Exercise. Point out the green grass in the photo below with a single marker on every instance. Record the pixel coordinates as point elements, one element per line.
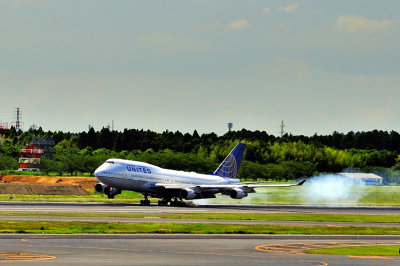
<point>359,250</point>
<point>360,195</point>
<point>125,197</point>
<point>186,228</point>
<point>229,216</point>
<point>368,196</point>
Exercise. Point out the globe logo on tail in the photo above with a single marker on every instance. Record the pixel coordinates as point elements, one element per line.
<point>228,167</point>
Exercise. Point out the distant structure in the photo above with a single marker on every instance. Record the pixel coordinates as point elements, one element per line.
<point>367,178</point>
<point>282,130</point>
<point>29,158</point>
<point>33,127</point>
<point>111,128</point>
<point>230,126</point>
<point>3,126</point>
<point>18,116</point>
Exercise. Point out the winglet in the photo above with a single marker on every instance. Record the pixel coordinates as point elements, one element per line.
<point>301,182</point>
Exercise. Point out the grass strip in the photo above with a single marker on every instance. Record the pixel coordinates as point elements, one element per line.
<point>360,196</point>
<point>384,250</point>
<point>186,228</point>
<point>229,216</point>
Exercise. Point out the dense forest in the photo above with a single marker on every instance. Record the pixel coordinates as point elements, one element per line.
<point>266,157</point>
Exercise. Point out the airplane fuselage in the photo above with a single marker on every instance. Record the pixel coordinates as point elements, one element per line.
<point>141,177</point>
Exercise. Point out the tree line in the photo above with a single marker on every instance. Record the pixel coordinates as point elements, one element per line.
<point>266,156</point>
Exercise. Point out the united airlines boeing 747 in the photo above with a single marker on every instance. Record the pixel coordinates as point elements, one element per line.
<point>173,186</point>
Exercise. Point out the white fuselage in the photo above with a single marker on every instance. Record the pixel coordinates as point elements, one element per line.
<point>141,177</point>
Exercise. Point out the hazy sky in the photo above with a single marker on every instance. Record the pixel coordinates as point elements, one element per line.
<point>183,65</point>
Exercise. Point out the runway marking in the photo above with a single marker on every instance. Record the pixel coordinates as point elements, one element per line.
<point>301,248</point>
<point>371,257</point>
<point>320,263</point>
<point>24,257</point>
<point>131,250</point>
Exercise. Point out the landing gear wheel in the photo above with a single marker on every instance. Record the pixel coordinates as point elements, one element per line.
<point>177,203</point>
<point>145,202</point>
<point>110,196</point>
<point>163,202</point>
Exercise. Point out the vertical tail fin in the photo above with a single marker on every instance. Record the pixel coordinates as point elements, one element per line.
<point>230,165</point>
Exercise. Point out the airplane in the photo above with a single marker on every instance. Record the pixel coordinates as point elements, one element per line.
<point>116,175</point>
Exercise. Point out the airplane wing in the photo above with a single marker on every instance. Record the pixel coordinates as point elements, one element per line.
<point>214,189</point>
<point>257,185</point>
<point>226,186</point>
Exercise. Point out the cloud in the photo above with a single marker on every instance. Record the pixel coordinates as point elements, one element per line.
<point>353,23</point>
<point>267,10</point>
<point>238,24</point>
<point>167,42</point>
<point>288,9</point>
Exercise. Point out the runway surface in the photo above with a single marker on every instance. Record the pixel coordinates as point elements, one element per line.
<point>191,221</point>
<point>135,208</point>
<point>183,250</point>
<point>178,249</point>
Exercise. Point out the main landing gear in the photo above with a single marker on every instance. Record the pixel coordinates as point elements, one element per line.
<point>163,202</point>
<point>175,202</point>
<point>145,202</point>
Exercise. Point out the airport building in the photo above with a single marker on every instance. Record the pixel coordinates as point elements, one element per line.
<point>367,178</point>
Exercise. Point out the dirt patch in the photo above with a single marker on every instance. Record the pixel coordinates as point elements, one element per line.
<point>45,185</point>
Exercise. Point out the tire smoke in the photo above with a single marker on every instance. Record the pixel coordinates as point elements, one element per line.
<point>333,190</point>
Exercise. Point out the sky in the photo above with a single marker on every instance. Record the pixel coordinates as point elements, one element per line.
<point>320,66</point>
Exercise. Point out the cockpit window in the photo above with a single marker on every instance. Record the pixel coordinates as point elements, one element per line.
<point>110,162</point>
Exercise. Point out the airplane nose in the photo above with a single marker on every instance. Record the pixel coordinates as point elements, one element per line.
<point>97,171</point>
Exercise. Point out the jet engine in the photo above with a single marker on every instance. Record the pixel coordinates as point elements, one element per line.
<point>237,193</point>
<point>100,187</point>
<point>187,194</point>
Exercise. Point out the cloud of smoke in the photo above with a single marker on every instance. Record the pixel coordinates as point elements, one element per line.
<point>252,198</point>
<point>333,190</point>
<point>330,190</point>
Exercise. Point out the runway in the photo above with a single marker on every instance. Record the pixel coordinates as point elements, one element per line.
<point>191,221</point>
<point>136,208</point>
<point>179,249</point>
<point>183,250</point>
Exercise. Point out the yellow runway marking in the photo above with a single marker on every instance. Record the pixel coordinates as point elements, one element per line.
<point>24,257</point>
<point>371,257</point>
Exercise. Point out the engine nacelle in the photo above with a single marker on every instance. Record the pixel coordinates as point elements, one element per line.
<point>100,187</point>
<point>237,193</point>
<point>187,194</point>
